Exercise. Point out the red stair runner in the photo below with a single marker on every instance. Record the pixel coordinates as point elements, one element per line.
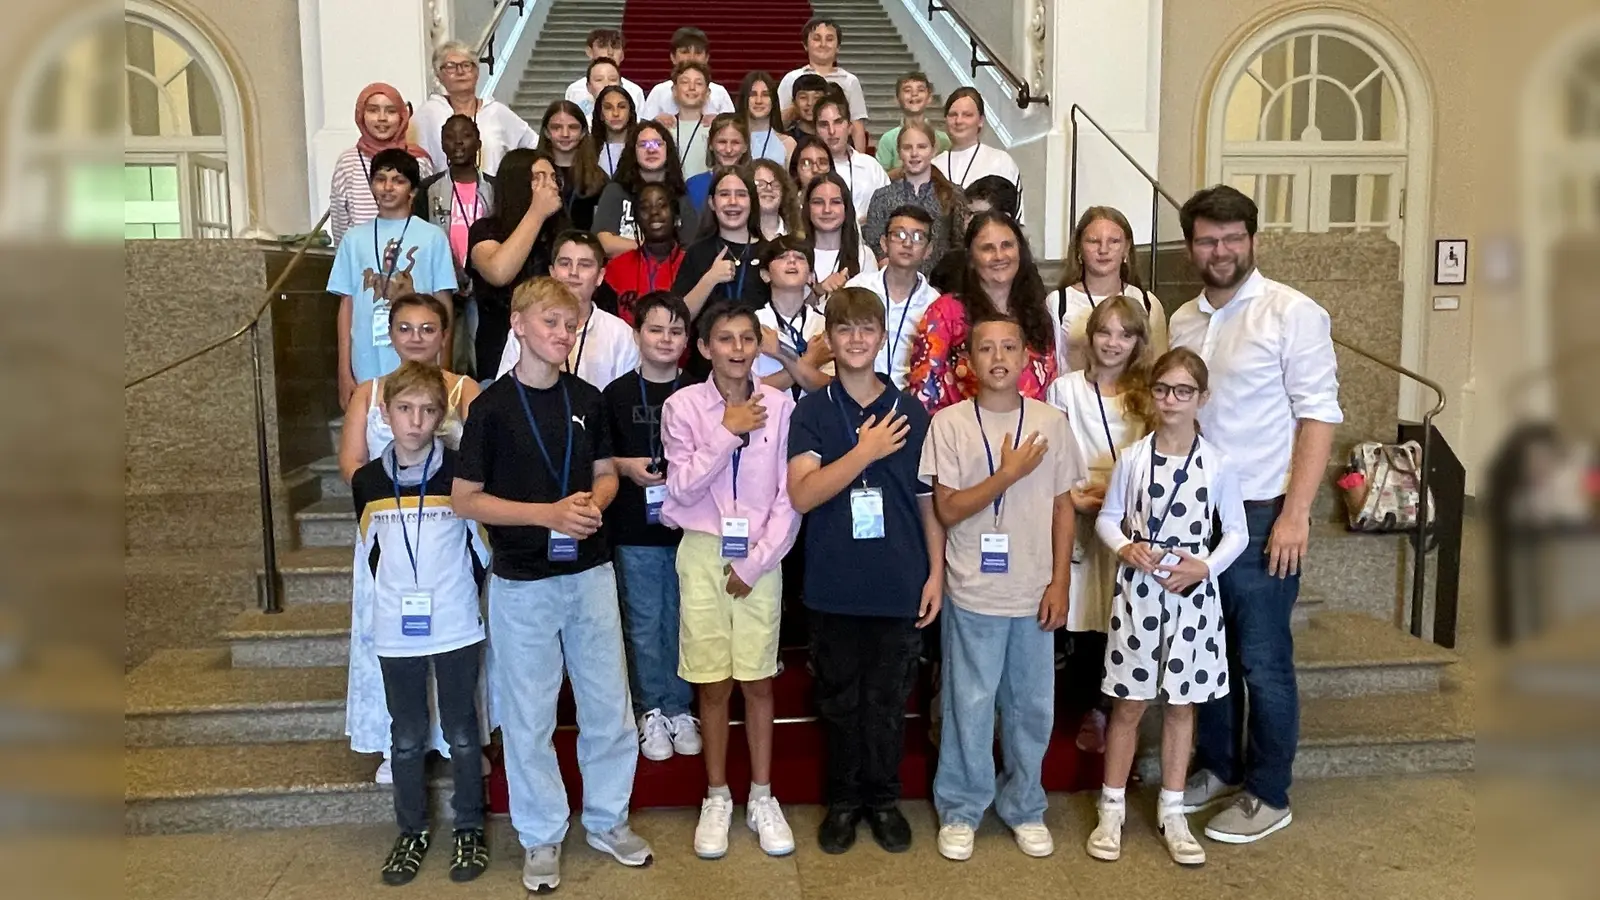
<point>744,35</point>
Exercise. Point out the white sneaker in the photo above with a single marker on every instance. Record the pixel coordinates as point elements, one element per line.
<point>655,737</point>
<point>765,817</point>
<point>1034,839</point>
<point>1185,850</point>
<point>1105,842</point>
<point>711,835</point>
<point>955,841</point>
<point>685,731</point>
<point>385,773</point>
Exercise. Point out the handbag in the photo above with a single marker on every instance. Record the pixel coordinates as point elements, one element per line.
<point>1382,485</point>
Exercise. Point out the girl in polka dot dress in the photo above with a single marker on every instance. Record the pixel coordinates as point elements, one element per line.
<point>1166,640</point>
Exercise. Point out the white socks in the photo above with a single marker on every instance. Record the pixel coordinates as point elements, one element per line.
<point>1110,796</point>
<point>722,792</point>
<point>757,791</point>
<point>1170,803</point>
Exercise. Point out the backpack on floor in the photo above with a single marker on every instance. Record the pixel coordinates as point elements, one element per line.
<point>1381,487</point>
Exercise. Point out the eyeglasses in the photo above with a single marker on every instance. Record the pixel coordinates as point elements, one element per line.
<point>815,165</point>
<point>1233,241</point>
<point>652,144</point>
<point>1184,392</point>
<point>456,68</point>
<point>909,237</point>
<point>426,329</point>
<point>765,185</point>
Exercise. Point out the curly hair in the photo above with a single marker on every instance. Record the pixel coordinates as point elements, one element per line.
<point>1026,299</point>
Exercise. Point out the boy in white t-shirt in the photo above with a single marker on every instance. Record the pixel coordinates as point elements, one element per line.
<point>822,38</point>
<point>603,43</point>
<point>604,348</point>
<point>688,45</point>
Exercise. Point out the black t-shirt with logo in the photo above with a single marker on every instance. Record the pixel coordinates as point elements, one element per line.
<point>636,432</point>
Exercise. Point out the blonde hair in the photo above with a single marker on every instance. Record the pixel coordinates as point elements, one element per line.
<point>543,291</point>
<point>1128,270</point>
<point>416,376</point>
<point>1133,387</point>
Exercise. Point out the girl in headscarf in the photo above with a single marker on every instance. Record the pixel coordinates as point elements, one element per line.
<point>382,117</point>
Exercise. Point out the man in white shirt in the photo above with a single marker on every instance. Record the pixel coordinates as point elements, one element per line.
<point>904,292</point>
<point>688,45</point>
<point>822,38</point>
<point>860,171</point>
<point>1273,407</point>
<point>604,43</point>
<point>605,347</point>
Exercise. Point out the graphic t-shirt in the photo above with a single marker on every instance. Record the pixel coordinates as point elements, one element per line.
<point>378,261</point>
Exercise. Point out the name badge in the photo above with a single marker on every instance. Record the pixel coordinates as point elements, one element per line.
<point>563,547</point>
<point>866,513</point>
<point>735,537</point>
<point>1171,559</point>
<point>380,323</point>
<point>416,614</point>
<point>654,496</point>
<point>994,554</point>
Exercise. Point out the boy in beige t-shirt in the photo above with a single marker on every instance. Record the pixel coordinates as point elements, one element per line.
<point>1001,467</point>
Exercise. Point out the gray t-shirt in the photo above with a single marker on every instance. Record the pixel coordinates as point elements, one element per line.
<point>953,455</point>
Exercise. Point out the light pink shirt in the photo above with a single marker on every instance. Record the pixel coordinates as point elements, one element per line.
<point>700,490</point>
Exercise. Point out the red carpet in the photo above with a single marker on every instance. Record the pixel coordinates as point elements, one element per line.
<point>744,36</point>
<point>798,753</point>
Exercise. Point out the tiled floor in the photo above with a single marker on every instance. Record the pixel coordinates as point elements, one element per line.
<point>1410,837</point>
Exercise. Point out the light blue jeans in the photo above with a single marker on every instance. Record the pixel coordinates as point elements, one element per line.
<point>537,628</point>
<point>989,659</point>
<point>648,582</point>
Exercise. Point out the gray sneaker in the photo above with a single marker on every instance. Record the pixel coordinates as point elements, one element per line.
<point>541,869</point>
<point>625,846</point>
<point>1204,789</point>
<point>1246,821</point>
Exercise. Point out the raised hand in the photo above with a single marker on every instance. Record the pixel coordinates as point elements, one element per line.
<point>722,268</point>
<point>1016,462</point>
<point>743,418</point>
<point>878,438</point>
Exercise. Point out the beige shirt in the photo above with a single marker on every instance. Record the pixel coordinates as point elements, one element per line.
<point>953,455</point>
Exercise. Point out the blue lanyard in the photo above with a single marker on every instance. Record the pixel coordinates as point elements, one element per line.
<point>583,341</point>
<point>849,429</point>
<point>738,286</point>
<point>422,495</point>
<point>1104,421</point>
<point>989,453</point>
<point>565,475</point>
<point>655,430</point>
<point>900,329</point>
<point>797,335</point>
<point>1155,524</point>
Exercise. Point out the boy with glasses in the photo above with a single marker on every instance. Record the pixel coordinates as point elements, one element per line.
<point>900,286</point>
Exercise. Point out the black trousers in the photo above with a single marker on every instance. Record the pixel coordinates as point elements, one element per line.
<point>1078,682</point>
<point>405,687</point>
<point>865,668</point>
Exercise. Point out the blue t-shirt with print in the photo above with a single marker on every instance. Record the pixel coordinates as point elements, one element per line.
<point>376,262</point>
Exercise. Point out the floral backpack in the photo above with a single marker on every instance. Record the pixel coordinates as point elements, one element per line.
<point>1381,487</point>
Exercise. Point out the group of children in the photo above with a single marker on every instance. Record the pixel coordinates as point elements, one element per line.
<point>661,509</point>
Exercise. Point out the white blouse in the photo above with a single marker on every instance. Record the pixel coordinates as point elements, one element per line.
<point>1074,307</point>
<point>500,130</point>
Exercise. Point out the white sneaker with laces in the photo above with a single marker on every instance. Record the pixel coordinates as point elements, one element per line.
<point>685,731</point>
<point>711,835</point>
<point>956,840</point>
<point>1185,850</point>
<point>765,817</point>
<point>385,773</point>
<point>1034,839</point>
<point>655,737</point>
<point>1105,842</point>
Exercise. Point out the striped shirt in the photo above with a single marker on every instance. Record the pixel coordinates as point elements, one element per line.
<point>350,202</point>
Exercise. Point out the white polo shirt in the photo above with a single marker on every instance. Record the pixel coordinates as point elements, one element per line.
<point>603,351</point>
<point>660,101</point>
<point>901,320</point>
<point>1270,354</point>
<point>578,92</point>
<point>863,176</point>
<point>850,84</point>
<point>963,167</point>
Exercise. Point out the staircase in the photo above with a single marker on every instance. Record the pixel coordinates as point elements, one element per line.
<point>744,37</point>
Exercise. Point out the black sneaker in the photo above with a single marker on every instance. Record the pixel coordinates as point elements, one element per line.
<point>472,855</point>
<point>405,859</point>
<point>837,833</point>
<point>890,829</point>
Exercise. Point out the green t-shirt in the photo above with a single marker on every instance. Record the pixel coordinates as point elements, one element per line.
<point>889,146</point>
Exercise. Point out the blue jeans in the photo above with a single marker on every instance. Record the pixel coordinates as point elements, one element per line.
<point>1255,609</point>
<point>648,582</point>
<point>534,628</point>
<point>990,658</point>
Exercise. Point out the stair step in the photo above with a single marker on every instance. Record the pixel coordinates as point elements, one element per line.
<point>316,574</point>
<point>1340,655</point>
<point>182,697</point>
<point>301,636</point>
<point>330,522</point>
<point>331,483</point>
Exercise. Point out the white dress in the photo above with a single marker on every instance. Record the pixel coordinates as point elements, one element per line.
<point>1073,307</point>
<point>1168,646</point>
<point>1100,441</point>
<point>366,708</point>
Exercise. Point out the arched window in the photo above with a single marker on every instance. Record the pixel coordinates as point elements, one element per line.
<point>1575,180</point>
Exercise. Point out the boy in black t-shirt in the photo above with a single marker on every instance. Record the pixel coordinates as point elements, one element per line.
<point>536,469</point>
<point>647,550</point>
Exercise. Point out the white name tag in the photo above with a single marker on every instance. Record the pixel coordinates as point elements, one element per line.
<point>654,496</point>
<point>563,547</point>
<point>994,554</point>
<point>380,323</point>
<point>735,537</point>
<point>416,614</point>
<point>1171,559</point>
<point>866,513</point>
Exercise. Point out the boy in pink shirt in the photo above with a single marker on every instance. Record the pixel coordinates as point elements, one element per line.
<point>726,447</point>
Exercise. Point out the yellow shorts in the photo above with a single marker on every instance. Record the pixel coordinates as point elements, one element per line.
<point>721,636</point>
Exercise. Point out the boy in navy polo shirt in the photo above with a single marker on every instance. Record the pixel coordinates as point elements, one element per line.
<point>874,568</point>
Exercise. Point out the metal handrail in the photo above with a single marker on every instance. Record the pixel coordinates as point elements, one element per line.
<point>1025,95</point>
<point>271,599</point>
<point>1159,193</point>
<point>485,45</point>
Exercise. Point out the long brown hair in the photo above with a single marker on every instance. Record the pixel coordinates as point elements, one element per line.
<point>1025,303</point>
<point>727,120</point>
<point>1133,387</point>
<point>1072,272</point>
<point>587,177</point>
<point>789,206</point>
<point>951,200</point>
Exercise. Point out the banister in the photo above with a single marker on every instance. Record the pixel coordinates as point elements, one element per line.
<point>484,49</point>
<point>1025,95</point>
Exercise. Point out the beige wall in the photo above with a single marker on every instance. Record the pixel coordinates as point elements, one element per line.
<point>996,21</point>
<point>1475,58</point>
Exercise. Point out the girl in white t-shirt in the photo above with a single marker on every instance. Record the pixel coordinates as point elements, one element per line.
<point>1108,407</point>
<point>613,116</point>
<point>1102,263</point>
<point>968,158</point>
<point>837,251</point>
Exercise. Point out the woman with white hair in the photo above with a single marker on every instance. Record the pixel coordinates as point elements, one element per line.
<point>455,65</point>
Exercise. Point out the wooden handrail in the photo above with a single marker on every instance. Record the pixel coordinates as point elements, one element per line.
<point>1025,95</point>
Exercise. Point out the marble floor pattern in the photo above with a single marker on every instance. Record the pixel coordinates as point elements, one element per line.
<point>1396,837</point>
